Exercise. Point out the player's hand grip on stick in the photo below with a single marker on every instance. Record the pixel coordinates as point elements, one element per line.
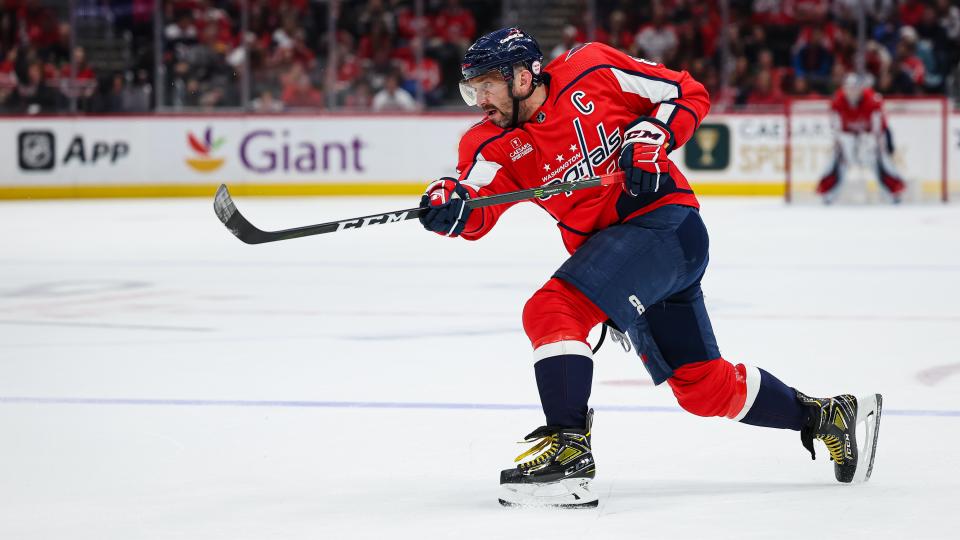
<point>644,157</point>
<point>448,212</point>
<point>227,211</point>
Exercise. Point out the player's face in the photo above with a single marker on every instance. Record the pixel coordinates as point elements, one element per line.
<point>489,92</point>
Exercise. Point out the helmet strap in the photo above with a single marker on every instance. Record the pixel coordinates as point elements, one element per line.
<point>515,121</point>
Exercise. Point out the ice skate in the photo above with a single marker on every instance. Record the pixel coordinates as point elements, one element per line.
<point>558,472</point>
<point>834,421</point>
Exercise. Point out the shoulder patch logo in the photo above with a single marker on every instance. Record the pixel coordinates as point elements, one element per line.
<point>520,149</point>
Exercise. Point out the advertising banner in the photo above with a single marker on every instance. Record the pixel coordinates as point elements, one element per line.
<point>360,154</point>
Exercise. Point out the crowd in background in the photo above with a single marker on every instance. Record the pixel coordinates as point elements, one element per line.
<point>388,58</point>
<point>782,48</point>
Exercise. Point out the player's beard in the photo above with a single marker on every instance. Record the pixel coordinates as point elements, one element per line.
<point>502,116</point>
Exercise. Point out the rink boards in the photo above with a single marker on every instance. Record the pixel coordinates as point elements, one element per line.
<point>189,155</point>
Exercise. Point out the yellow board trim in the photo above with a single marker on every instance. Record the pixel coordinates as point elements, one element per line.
<point>287,190</point>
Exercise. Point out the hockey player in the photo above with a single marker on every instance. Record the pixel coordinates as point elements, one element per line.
<point>637,254</point>
<point>861,134</point>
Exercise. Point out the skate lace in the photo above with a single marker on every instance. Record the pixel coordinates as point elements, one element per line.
<point>834,446</point>
<point>547,447</point>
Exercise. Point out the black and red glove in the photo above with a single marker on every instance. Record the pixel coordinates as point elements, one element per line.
<point>448,211</point>
<point>644,157</point>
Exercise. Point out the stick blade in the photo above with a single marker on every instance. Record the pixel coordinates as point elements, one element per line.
<point>223,204</point>
<point>231,217</point>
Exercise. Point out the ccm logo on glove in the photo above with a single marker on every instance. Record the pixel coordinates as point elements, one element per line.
<point>644,157</point>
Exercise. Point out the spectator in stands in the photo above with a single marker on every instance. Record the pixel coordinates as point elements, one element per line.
<point>763,91</point>
<point>298,91</point>
<point>844,49</point>
<point>877,59</point>
<point>753,41</point>
<point>378,68</point>
<point>265,102</point>
<point>801,89</point>
<point>9,31</point>
<point>8,80</point>
<point>456,26</point>
<point>656,41</point>
<point>374,18</point>
<point>32,95</point>
<point>360,96</point>
<point>568,40</point>
<point>392,97</point>
<point>380,38</point>
<point>908,70</point>
<point>349,66</point>
<point>84,82</point>
<point>707,23</point>
<point>811,11</point>
<point>813,61</point>
<point>182,30</point>
<point>949,16</point>
<point>913,45</point>
<point>616,34</point>
<point>910,12</point>
<point>138,92</point>
<point>112,99</point>
<point>58,52</point>
<point>420,76</point>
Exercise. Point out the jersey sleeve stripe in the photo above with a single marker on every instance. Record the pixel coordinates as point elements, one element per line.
<point>481,173</point>
<point>696,119</point>
<point>655,81</point>
<point>656,90</point>
<point>665,112</point>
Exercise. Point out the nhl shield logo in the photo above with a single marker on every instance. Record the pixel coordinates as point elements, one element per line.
<point>37,150</point>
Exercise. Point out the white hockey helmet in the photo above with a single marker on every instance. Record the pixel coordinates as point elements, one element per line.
<point>853,86</point>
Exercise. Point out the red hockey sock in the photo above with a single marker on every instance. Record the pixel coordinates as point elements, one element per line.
<point>716,388</point>
<point>559,312</point>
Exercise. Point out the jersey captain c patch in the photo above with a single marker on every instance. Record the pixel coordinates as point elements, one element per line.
<point>577,99</point>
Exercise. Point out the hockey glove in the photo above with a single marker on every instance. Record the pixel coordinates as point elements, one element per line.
<point>644,157</point>
<point>448,212</point>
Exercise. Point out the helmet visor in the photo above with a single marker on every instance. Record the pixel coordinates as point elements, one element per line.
<point>474,90</point>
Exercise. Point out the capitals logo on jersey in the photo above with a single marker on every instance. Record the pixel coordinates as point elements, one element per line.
<point>592,96</point>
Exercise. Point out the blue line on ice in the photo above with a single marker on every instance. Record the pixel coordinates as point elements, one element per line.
<point>33,400</point>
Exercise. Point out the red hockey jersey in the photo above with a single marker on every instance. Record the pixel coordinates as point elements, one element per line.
<point>593,93</point>
<point>865,117</point>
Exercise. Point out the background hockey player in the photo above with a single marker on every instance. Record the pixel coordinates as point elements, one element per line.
<point>637,254</point>
<point>862,136</point>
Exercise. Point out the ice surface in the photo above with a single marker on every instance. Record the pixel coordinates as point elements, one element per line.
<point>159,379</point>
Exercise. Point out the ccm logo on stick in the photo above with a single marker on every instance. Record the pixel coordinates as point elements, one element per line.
<point>371,220</point>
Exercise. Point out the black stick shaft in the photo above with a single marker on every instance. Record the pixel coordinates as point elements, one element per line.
<point>244,230</point>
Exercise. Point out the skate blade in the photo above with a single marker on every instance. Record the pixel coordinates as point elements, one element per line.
<point>869,408</point>
<point>569,493</point>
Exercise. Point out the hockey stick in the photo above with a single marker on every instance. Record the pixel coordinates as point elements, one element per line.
<point>248,233</point>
